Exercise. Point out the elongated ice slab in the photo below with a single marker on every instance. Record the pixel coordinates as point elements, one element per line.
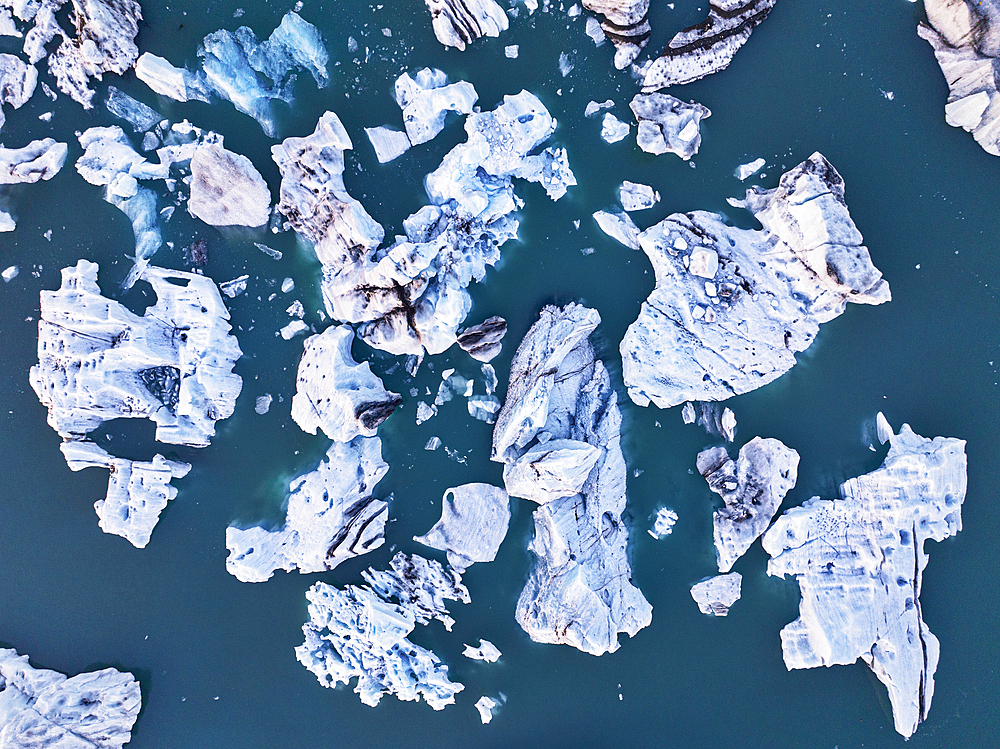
<point>42,708</point>
<point>473,524</point>
<point>332,516</point>
<point>40,159</point>
<point>859,563</point>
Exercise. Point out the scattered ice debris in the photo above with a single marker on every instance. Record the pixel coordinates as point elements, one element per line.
<point>626,24</point>
<point>484,341</point>
<point>668,125</point>
<point>510,51</point>
<point>40,159</point>
<point>425,412</point>
<point>613,129</point>
<point>707,47</point>
<point>619,226</point>
<point>140,116</point>
<point>332,516</point>
<point>486,706</point>
<point>745,171</point>
<point>859,563</point>
<point>772,289</point>
<point>234,288</point>
<point>389,144</point>
<point>752,488</point>
<point>263,404</point>
<point>422,584</point>
<point>288,332</point>
<point>636,197</point>
<point>137,492</point>
<point>579,592</point>
<point>9,273</point>
<point>594,107</point>
<point>358,632</point>
<point>966,41</point>
<point>715,595</point>
<point>226,189</point>
<point>426,99</point>
<point>43,708</point>
<point>587,251</point>
<point>275,254</point>
<point>433,443</point>
<point>473,524</point>
<point>336,394</point>
<point>232,62</point>
<point>460,22</point>
<point>565,64</point>
<point>664,523</point>
<point>483,407</point>
<point>98,361</point>
<point>17,81</point>
<point>486,651</point>
<point>104,41</point>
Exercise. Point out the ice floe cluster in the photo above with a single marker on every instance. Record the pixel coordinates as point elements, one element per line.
<point>360,632</point>
<point>859,562</point>
<point>560,423</point>
<point>732,306</point>
<point>965,36</point>
<point>43,708</point>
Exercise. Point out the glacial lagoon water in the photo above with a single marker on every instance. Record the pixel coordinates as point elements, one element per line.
<point>215,656</point>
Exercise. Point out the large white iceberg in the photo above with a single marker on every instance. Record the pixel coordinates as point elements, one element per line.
<point>42,708</point>
<point>579,592</point>
<point>859,562</point>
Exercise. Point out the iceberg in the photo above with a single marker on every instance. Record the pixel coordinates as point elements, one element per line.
<point>668,125</point>
<point>579,592</point>
<point>483,342</point>
<point>715,595</point>
<point>421,584</point>
<point>486,651</point>
<point>335,393</point>
<point>707,47</point>
<point>626,24</point>
<point>664,524</point>
<point>551,470</point>
<point>745,171</point>
<point>473,524</point>
<point>636,197</point>
<point>425,100</point>
<point>752,488</point>
<point>98,361</point>
<point>332,516</point>
<point>226,189</point>
<point>486,706</point>
<point>166,80</point>
<point>389,144</point>
<point>17,81</point>
<point>140,116</point>
<point>40,159</point>
<point>43,708</point>
<point>457,23</point>
<point>707,339</point>
<point>859,562</point>
<point>613,129</point>
<point>137,491</point>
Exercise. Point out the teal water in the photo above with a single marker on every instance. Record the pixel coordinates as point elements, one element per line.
<point>215,657</point>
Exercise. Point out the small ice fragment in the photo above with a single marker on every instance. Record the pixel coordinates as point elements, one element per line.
<point>483,407</point>
<point>511,51</point>
<point>10,274</point>
<point>45,116</point>
<point>140,116</point>
<point>532,5</point>
<point>389,144</point>
<point>387,33</point>
<point>447,373</point>
<point>613,129</point>
<point>594,31</point>
<point>166,212</point>
<point>688,132</point>
<point>728,424</point>
<point>433,443</point>
<point>715,595</point>
<point>636,197</point>
<point>565,64</point>
<point>267,250</point>
<point>234,288</point>
<point>687,413</point>
<point>352,44</point>
<point>293,329</point>
<point>7,222</point>
<point>486,651</point>
<point>296,310</point>
<point>680,243</point>
<point>594,107</point>
<point>747,170</point>
<point>263,404</point>
<point>664,524</point>
<point>425,412</point>
<point>882,428</point>
<point>150,141</point>
<point>287,285</point>
<point>490,375</point>
<point>485,706</point>
<point>574,11</point>
<point>48,235</point>
<point>587,251</point>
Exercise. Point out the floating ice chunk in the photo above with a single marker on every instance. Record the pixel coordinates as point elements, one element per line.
<point>425,412</point>
<point>484,341</point>
<point>98,361</point>
<point>295,44</point>
<point>226,189</point>
<point>336,394</point>
<point>427,98</point>
<point>140,207</point>
<point>510,51</point>
<point>594,107</point>
<point>165,79</point>
<point>664,524</point>
<point>619,226</point>
<point>594,31</point>
<point>137,114</point>
<point>263,404</point>
<point>565,64</point>
<point>40,159</point>
<point>715,595</point>
<point>483,407</point>
<point>687,413</point>
<point>752,488</point>
<point>17,80</point>
<point>7,25</point>
<point>234,288</point>
<point>859,563</point>
<point>389,144</point>
<point>137,492</point>
<point>748,170</point>
<point>9,273</point>
<point>460,22</point>
<point>271,253</point>
<point>551,169</point>
<point>43,708</point>
<point>727,426</point>
<point>433,443</point>
<point>668,125</point>
<point>613,129</point>
<point>422,585</point>
<point>486,651</point>
<point>882,428</point>
<point>486,706</point>
<point>293,329</point>
<point>473,524</point>
<point>331,517</point>
<point>107,153</point>
<point>636,197</point>
<point>551,470</point>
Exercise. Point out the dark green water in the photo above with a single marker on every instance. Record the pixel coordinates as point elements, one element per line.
<point>215,657</point>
